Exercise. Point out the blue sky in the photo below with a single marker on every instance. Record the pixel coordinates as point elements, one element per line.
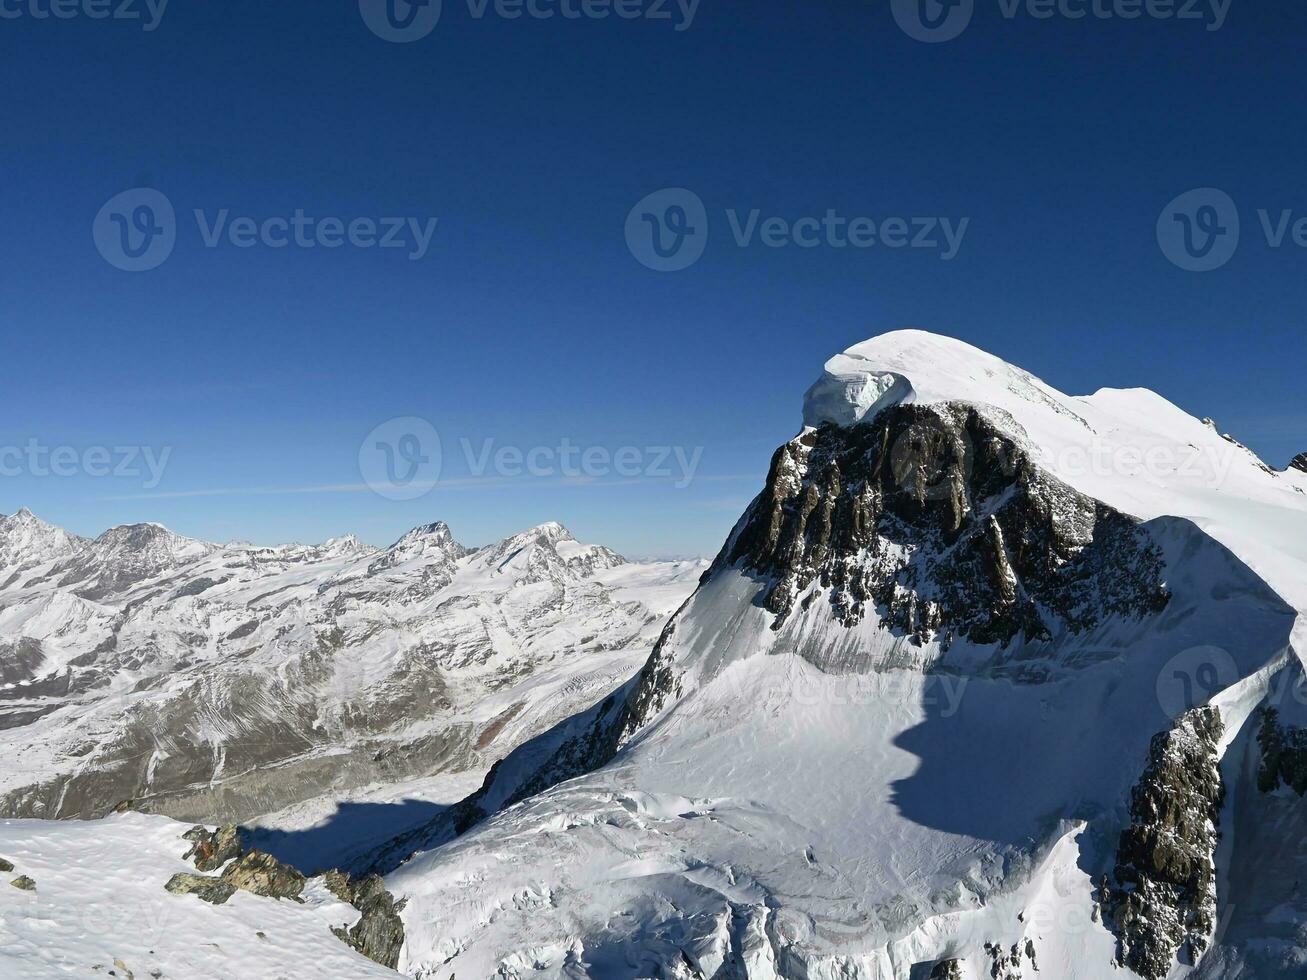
<point>528,321</point>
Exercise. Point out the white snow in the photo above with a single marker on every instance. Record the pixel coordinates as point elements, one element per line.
<point>100,899</point>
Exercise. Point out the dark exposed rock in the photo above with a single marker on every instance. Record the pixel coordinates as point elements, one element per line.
<point>938,520</point>
<point>1164,897</point>
<point>1299,463</point>
<point>1006,964</point>
<point>212,849</point>
<point>212,890</point>
<point>24,883</point>
<point>262,874</point>
<point>947,970</point>
<point>1284,755</point>
<point>5,866</point>
<point>379,932</point>
<point>339,884</point>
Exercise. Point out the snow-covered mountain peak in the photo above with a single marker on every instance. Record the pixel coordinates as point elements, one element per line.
<point>26,540</point>
<point>148,539</point>
<point>1299,463</point>
<point>428,537</point>
<point>547,552</point>
<point>346,544</point>
<point>914,366</point>
<point>972,670</point>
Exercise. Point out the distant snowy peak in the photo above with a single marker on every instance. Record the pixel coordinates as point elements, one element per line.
<point>431,546</point>
<point>148,539</point>
<point>26,540</point>
<point>125,556</point>
<point>429,538</point>
<point>345,546</point>
<point>546,553</point>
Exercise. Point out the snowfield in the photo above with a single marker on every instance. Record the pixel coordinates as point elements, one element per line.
<point>100,907</point>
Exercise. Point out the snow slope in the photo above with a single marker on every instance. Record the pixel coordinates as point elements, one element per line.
<point>100,909</point>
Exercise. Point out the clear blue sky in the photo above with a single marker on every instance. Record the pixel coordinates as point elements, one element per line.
<point>529,322</point>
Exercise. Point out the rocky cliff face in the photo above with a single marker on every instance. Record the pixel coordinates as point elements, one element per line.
<point>1299,463</point>
<point>937,521</point>
<point>1163,899</point>
<point>1284,755</point>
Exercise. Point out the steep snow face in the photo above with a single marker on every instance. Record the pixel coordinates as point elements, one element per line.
<point>225,682</point>
<point>901,727</point>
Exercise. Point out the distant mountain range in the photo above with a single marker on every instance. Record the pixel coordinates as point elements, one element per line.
<point>220,682</point>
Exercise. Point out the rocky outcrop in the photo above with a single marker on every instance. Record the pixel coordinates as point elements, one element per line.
<point>1163,898</point>
<point>215,891</point>
<point>5,866</point>
<point>1284,755</point>
<point>262,874</point>
<point>379,932</point>
<point>1007,964</point>
<point>24,883</point>
<point>947,970</point>
<point>935,518</point>
<point>251,871</point>
<point>212,849</point>
<point>1299,463</point>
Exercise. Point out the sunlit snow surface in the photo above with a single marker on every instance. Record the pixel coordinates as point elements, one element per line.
<point>99,898</point>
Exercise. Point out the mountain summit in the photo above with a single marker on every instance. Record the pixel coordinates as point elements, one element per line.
<point>970,691</point>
